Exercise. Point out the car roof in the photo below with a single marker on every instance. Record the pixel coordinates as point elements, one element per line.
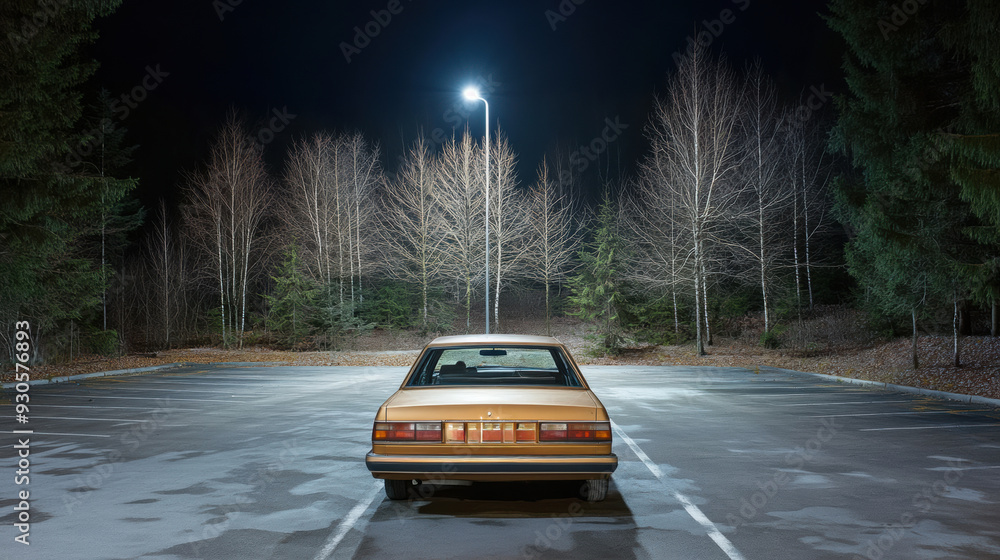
<point>494,339</point>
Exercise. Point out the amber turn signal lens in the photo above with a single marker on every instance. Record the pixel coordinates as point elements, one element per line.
<point>407,431</point>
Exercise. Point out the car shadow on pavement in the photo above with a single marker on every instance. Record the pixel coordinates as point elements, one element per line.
<point>512,499</point>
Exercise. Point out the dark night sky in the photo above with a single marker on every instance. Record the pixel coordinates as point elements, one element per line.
<point>606,60</point>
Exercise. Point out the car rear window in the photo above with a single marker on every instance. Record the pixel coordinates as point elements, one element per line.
<point>495,365</point>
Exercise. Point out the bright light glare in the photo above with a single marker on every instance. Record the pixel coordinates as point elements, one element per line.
<point>471,93</point>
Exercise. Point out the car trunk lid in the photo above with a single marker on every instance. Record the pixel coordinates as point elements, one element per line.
<point>491,404</point>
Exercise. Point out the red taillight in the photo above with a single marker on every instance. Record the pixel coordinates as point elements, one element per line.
<point>574,431</point>
<point>552,432</point>
<point>525,432</point>
<point>407,431</point>
<point>428,431</point>
<point>454,432</point>
<point>492,432</point>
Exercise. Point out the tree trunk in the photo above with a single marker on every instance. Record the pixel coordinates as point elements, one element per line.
<point>916,360</point>
<point>104,289</point>
<point>234,265</point>
<point>357,219</point>
<point>423,288</point>
<point>548,312</point>
<point>955,320</point>
<point>468,302</point>
<point>700,343</point>
<point>795,250</point>
<point>677,324</point>
<point>763,277</point>
<point>496,297</point>
<point>809,283</point>
<point>704,292</point>
<point>243,288</point>
<point>222,285</point>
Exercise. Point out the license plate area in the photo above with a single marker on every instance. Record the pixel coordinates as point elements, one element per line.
<point>492,432</point>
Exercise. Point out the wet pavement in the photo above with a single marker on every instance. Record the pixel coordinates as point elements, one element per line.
<point>714,463</point>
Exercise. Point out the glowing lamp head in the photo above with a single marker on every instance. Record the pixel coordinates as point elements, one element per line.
<point>471,93</point>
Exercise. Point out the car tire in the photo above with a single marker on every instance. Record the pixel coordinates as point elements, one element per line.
<point>595,490</point>
<point>397,489</point>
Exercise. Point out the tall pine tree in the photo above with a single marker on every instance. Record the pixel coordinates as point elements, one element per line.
<point>44,201</point>
<point>597,286</point>
<point>909,88</point>
<point>975,146</point>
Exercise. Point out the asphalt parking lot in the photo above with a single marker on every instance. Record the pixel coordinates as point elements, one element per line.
<point>715,463</point>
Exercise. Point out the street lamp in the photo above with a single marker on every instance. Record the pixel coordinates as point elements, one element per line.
<point>472,94</point>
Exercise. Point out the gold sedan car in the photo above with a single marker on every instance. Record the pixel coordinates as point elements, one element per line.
<point>492,408</point>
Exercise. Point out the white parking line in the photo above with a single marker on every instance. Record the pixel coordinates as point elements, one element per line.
<point>185,382</point>
<point>139,398</point>
<point>929,427</point>
<point>197,375</point>
<point>896,413</point>
<point>756,387</point>
<point>91,407</point>
<point>94,419</point>
<point>181,386</point>
<point>62,434</point>
<point>813,394</point>
<point>821,403</point>
<point>348,523</point>
<point>215,392</point>
<point>963,468</point>
<point>694,511</point>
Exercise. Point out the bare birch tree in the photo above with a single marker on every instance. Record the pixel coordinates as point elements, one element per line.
<point>809,173</point>
<point>769,201</point>
<point>658,239</point>
<point>309,205</point>
<point>693,134</point>
<point>412,227</point>
<point>365,178</point>
<point>227,204</point>
<point>160,248</point>
<point>553,240</point>
<point>508,222</point>
<point>331,183</point>
<point>463,204</point>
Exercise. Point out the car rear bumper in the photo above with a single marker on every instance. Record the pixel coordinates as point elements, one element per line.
<point>491,467</point>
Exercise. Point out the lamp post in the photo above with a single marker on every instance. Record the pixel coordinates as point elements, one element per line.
<point>472,94</point>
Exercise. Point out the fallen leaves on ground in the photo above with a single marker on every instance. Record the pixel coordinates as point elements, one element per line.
<point>882,362</point>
